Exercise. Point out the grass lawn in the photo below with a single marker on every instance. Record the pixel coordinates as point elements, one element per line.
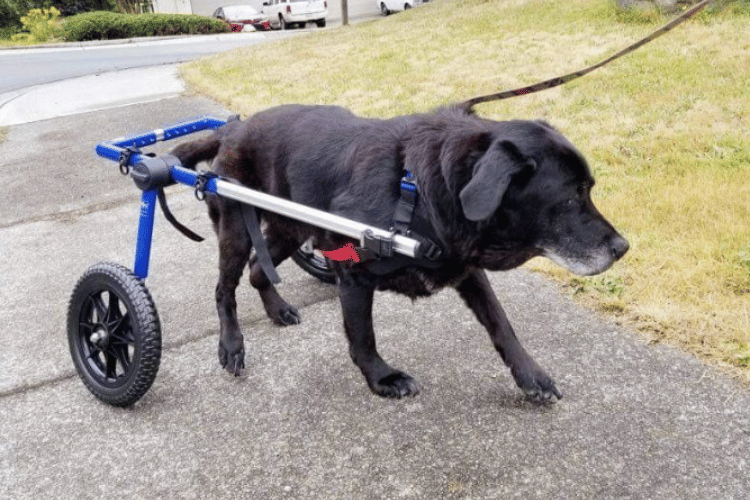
<point>666,130</point>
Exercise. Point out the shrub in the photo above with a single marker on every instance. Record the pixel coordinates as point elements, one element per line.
<point>42,24</point>
<point>10,15</point>
<point>109,25</point>
<point>11,11</point>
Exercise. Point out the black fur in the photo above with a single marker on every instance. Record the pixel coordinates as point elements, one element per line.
<point>496,194</point>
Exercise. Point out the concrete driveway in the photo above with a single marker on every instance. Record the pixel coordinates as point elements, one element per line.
<point>637,421</point>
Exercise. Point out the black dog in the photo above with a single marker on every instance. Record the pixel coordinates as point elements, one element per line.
<point>491,195</point>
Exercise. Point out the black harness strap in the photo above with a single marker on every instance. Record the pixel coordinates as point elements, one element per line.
<point>408,220</point>
<point>145,174</point>
<point>407,202</point>
<point>250,215</point>
<point>409,223</point>
<point>172,220</point>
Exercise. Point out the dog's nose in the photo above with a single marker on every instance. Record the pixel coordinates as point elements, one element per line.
<point>619,246</point>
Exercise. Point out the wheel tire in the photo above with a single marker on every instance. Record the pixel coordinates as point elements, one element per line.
<point>321,23</point>
<point>283,24</point>
<point>407,6</point>
<point>114,334</point>
<point>315,265</point>
<point>383,9</point>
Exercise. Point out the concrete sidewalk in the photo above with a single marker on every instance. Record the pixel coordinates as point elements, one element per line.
<point>637,421</point>
<point>90,93</point>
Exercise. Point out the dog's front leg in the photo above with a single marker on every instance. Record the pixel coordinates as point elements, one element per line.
<point>356,304</point>
<point>479,296</point>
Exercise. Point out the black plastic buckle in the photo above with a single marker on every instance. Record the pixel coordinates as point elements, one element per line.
<point>407,182</point>
<point>432,251</point>
<point>381,247</point>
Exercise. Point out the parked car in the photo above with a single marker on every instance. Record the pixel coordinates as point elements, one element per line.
<point>390,6</point>
<point>285,14</point>
<point>241,17</point>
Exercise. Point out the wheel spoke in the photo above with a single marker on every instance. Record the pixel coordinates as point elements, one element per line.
<point>87,325</point>
<point>123,334</point>
<point>111,369</point>
<point>120,352</point>
<point>114,317</point>
<point>99,306</point>
<point>120,329</point>
<point>94,352</point>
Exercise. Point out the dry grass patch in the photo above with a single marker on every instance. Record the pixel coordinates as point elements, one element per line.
<point>666,130</point>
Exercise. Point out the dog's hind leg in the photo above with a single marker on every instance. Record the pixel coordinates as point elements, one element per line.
<point>280,248</point>
<point>479,296</point>
<point>356,304</point>
<point>234,253</point>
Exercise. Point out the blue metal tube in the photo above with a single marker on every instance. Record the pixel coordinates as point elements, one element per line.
<point>145,233</point>
<point>182,175</point>
<point>112,150</point>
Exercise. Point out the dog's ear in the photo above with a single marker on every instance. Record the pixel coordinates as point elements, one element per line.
<point>492,175</point>
<point>459,154</point>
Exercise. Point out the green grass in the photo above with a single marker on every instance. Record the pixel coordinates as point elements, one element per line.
<point>666,130</point>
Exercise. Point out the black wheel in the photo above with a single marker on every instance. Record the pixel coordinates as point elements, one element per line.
<point>312,261</point>
<point>114,334</point>
<point>321,23</point>
<point>283,25</point>
<point>383,9</point>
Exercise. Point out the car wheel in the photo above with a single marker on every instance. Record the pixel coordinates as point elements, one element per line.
<point>383,9</point>
<point>283,24</point>
<point>407,6</point>
<point>321,23</point>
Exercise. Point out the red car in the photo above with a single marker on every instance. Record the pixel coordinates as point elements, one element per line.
<point>240,17</point>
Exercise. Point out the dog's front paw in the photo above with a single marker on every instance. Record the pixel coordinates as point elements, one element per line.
<point>396,385</point>
<point>232,360</point>
<point>537,385</point>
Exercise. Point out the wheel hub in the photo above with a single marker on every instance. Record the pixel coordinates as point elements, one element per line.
<point>100,337</point>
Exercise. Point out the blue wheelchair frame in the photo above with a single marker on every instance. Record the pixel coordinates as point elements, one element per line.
<point>152,173</point>
<point>127,151</point>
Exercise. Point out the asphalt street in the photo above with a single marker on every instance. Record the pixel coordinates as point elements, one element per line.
<point>637,421</point>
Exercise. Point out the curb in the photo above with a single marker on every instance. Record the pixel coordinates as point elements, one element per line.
<point>90,43</point>
<point>145,39</point>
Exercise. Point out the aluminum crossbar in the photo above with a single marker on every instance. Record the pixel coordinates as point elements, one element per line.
<point>340,225</point>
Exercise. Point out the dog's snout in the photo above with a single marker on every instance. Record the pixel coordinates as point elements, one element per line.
<point>619,246</point>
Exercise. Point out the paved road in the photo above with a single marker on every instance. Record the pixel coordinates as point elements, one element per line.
<point>637,421</point>
<point>22,68</point>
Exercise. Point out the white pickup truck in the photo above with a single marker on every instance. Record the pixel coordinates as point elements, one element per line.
<point>286,14</point>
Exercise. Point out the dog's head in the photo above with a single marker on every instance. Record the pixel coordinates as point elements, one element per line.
<point>529,194</point>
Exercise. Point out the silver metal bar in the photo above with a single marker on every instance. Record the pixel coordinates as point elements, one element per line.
<point>337,224</point>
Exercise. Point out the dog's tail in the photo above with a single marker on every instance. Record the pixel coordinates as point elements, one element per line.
<point>192,153</point>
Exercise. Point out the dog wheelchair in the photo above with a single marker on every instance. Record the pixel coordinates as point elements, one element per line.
<point>113,327</point>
